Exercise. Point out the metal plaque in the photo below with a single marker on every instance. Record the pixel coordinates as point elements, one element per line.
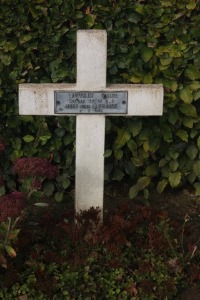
<point>82,102</point>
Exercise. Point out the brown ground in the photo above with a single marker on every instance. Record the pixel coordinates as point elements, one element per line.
<point>179,204</point>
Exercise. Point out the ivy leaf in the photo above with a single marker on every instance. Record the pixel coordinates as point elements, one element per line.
<point>28,138</point>
<point>141,184</point>
<point>118,153</point>
<point>135,79</point>
<point>173,164</point>
<point>147,54</point>
<point>192,72</point>
<point>174,179</point>
<point>183,135</point>
<point>188,122</point>
<point>25,38</point>
<point>198,142</point>
<point>197,188</point>
<point>122,138</point>
<point>197,95</point>
<point>166,132</point>
<point>107,153</point>
<point>196,168</point>
<point>166,61</point>
<point>186,95</point>
<point>192,151</point>
<point>148,79</point>
<point>161,186</point>
<point>9,46</point>
<point>151,170</point>
<point>136,128</point>
<point>58,196</point>
<point>5,59</point>
<point>191,5</point>
<point>188,110</point>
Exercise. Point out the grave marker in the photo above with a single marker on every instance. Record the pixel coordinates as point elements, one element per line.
<point>91,100</point>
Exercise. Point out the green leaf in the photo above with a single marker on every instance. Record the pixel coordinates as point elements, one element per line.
<point>191,5</point>
<point>148,79</point>
<point>139,8</point>
<point>5,59</point>
<point>25,38</point>
<point>188,122</point>
<point>66,183</point>
<point>147,54</point>
<point>107,152</point>
<point>191,177</point>
<point>146,196</point>
<point>135,128</point>
<point>173,116</point>
<point>59,196</point>
<point>192,151</point>
<point>48,188</point>
<point>196,168</point>
<point>188,110</point>
<point>123,136</point>
<point>11,252</point>
<point>166,132</point>
<point>166,61</point>
<point>44,138</point>
<point>197,95</point>
<point>183,135</point>
<point>173,164</point>
<point>132,146</point>
<point>151,170</point>
<point>2,190</point>
<point>135,79</point>
<point>197,188</point>
<point>118,153</point>
<point>146,146</point>
<point>137,161</point>
<point>28,138</point>
<point>198,142</point>
<point>161,186</point>
<point>174,179</point>
<point>118,175</point>
<point>141,184</point>
<point>133,192</point>
<point>9,46</point>
<point>192,72</point>
<point>186,95</point>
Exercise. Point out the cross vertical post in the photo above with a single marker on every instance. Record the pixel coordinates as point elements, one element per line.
<point>90,129</point>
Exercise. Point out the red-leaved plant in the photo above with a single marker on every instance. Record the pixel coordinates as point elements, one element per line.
<point>32,171</point>
<point>31,174</point>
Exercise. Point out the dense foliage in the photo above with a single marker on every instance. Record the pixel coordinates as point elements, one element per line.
<point>138,254</point>
<point>152,41</point>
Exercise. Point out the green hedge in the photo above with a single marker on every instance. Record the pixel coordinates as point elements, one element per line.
<point>153,41</point>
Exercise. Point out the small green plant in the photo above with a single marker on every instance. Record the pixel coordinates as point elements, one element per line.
<point>11,208</point>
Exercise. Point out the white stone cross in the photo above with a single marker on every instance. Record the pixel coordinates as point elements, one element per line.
<point>40,99</point>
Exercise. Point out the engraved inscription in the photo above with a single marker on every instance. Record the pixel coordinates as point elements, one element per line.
<point>81,102</point>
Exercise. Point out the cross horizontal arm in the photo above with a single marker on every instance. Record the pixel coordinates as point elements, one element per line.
<point>143,100</point>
